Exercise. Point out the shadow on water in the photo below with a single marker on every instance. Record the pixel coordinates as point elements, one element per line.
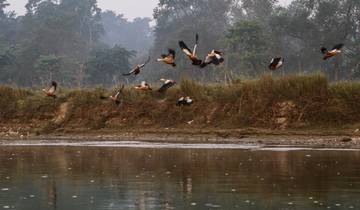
<point>139,178</point>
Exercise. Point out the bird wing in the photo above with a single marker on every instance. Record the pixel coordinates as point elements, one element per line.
<point>208,60</point>
<point>131,72</point>
<point>117,94</point>
<point>324,50</point>
<point>172,53</point>
<point>166,86</point>
<point>196,44</point>
<point>53,87</point>
<point>276,61</point>
<point>144,64</point>
<point>185,48</point>
<point>338,46</point>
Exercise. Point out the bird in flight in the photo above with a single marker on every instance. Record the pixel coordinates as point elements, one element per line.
<point>214,57</point>
<point>276,63</point>
<point>184,101</point>
<point>116,97</point>
<point>191,54</point>
<point>335,51</point>
<point>169,58</point>
<point>143,86</point>
<point>137,69</point>
<point>167,83</point>
<point>51,91</point>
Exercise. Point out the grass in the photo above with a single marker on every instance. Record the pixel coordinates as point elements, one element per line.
<point>303,101</point>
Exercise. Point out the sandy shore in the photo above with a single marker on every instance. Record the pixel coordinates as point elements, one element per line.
<point>309,138</point>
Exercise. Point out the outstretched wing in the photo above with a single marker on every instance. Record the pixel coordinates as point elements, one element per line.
<point>185,48</point>
<point>323,50</point>
<point>144,64</point>
<point>196,44</point>
<point>165,87</point>
<point>131,72</point>
<point>117,95</point>
<point>172,53</point>
<point>338,46</point>
<point>208,60</point>
<point>53,87</point>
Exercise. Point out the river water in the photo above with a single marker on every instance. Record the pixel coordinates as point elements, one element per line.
<point>128,175</point>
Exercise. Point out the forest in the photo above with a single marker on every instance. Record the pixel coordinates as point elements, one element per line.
<point>77,44</point>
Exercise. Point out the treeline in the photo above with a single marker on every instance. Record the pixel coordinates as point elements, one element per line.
<point>251,32</point>
<point>75,43</point>
<point>69,41</point>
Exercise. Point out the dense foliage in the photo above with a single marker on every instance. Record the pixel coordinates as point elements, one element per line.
<point>75,43</point>
<point>67,41</point>
<point>251,32</point>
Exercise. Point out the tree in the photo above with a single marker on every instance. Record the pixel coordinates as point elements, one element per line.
<point>48,68</point>
<point>133,35</point>
<point>248,47</point>
<point>106,65</point>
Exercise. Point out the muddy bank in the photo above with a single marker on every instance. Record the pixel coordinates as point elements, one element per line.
<point>311,138</point>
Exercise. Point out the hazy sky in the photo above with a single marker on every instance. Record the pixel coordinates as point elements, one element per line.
<point>130,8</point>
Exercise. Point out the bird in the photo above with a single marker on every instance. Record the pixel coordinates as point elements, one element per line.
<point>184,101</point>
<point>137,69</point>
<point>169,58</point>
<point>143,86</point>
<point>51,91</point>
<point>276,63</point>
<point>214,57</point>
<point>115,98</point>
<point>167,84</point>
<point>335,51</point>
<point>191,54</point>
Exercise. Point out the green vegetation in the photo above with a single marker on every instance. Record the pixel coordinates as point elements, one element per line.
<point>276,103</point>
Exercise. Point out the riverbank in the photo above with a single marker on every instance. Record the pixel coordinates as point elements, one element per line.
<point>341,139</point>
<point>295,106</point>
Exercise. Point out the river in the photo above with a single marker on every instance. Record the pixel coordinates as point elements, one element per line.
<point>135,175</point>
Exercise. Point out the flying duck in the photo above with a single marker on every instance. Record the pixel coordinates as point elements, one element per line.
<point>167,83</point>
<point>115,98</point>
<point>335,51</point>
<point>143,86</point>
<point>169,58</point>
<point>215,57</point>
<point>184,101</point>
<point>51,90</point>
<point>276,63</point>
<point>136,70</point>
<point>191,54</point>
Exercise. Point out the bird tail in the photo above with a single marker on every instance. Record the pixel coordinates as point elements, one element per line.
<point>174,64</point>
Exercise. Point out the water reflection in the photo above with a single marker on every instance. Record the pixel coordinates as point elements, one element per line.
<point>137,178</point>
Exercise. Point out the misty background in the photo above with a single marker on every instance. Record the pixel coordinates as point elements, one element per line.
<point>87,42</point>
